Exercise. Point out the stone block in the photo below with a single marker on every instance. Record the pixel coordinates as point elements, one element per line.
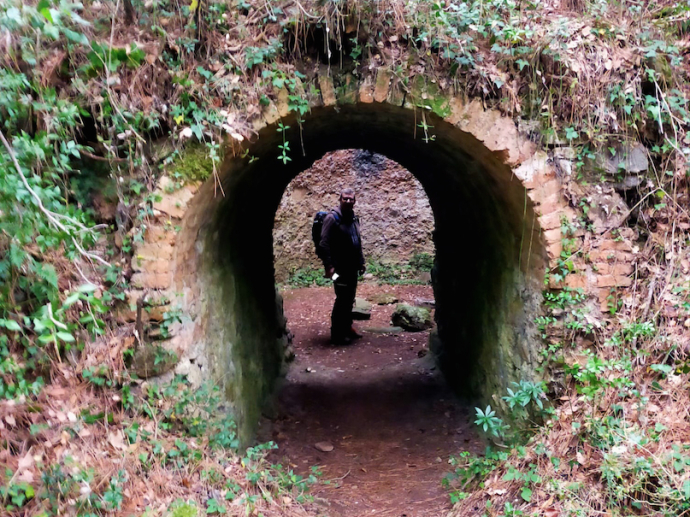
<point>270,114</point>
<point>546,204</point>
<point>174,203</point>
<point>572,281</point>
<point>151,266</point>
<point>549,188</point>
<point>613,281</point>
<point>551,221</point>
<point>631,158</point>
<point>383,82</point>
<point>608,210</point>
<point>153,251</point>
<point>608,255</point>
<point>327,90</point>
<point>159,234</point>
<point>551,236</point>
<point>348,90</point>
<point>282,102</point>
<point>457,111</point>
<point>498,133</point>
<point>366,90</point>
<point>553,250</point>
<point>144,280</point>
<point>533,170</point>
<point>622,269</point>
<point>396,93</point>
<point>611,244</point>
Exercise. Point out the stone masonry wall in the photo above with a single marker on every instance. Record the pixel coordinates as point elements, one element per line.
<point>393,209</point>
<point>603,260</point>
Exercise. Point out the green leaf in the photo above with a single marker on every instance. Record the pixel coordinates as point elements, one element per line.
<point>10,325</point>
<point>71,300</point>
<point>87,288</point>
<point>43,7</point>
<point>65,336</point>
<point>75,37</point>
<point>51,30</point>
<point>526,494</point>
<point>47,272</point>
<point>15,15</point>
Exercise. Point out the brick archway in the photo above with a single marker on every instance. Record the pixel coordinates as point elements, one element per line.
<point>497,203</point>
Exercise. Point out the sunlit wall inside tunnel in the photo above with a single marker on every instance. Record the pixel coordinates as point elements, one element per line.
<point>489,254</point>
<point>393,209</point>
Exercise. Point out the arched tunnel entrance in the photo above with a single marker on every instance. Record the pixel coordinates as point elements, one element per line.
<point>487,277</point>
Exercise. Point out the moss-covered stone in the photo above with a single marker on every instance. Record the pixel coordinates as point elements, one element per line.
<point>153,360</point>
<point>346,91</point>
<point>411,318</point>
<point>426,94</point>
<point>193,163</point>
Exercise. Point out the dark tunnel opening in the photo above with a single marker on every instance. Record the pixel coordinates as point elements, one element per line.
<point>489,255</point>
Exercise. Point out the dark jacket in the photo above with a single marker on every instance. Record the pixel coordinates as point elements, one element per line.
<point>341,243</point>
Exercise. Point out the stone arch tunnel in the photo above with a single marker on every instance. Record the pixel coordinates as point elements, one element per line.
<point>489,191</point>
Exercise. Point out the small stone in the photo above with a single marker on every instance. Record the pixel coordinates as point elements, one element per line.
<point>361,309</point>
<point>324,446</point>
<point>687,323</point>
<point>383,298</point>
<point>425,302</point>
<point>626,158</point>
<point>413,319</point>
<point>384,330</point>
<point>151,361</point>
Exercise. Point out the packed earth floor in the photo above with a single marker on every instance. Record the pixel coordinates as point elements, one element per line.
<point>376,416</point>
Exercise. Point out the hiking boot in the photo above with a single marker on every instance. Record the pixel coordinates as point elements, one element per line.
<point>341,340</point>
<point>353,334</point>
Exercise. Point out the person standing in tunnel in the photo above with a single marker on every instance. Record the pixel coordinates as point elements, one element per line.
<point>343,261</point>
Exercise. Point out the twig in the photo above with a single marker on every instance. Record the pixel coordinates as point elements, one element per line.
<point>102,158</point>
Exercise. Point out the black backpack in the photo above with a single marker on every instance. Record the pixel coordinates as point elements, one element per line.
<point>316,227</point>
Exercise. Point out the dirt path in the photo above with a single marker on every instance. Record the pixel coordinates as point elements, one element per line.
<point>381,403</point>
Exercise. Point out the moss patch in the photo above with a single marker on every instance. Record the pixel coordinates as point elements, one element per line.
<point>191,164</point>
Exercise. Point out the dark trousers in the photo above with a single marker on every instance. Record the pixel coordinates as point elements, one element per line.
<point>341,317</point>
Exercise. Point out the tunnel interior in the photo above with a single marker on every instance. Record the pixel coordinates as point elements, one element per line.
<point>489,261</point>
<point>391,205</point>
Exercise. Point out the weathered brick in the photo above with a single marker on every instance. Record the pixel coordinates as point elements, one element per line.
<point>159,234</point>
<point>546,204</point>
<point>366,90</point>
<point>153,251</point>
<point>270,114</point>
<point>573,281</point>
<point>611,244</point>
<point>151,266</point>
<point>383,82</point>
<point>327,90</point>
<point>550,221</point>
<point>553,235</point>
<point>457,111</point>
<point>549,188</point>
<point>622,269</point>
<point>151,281</point>
<point>553,250</point>
<point>608,256</point>
<point>174,203</point>
<point>613,281</point>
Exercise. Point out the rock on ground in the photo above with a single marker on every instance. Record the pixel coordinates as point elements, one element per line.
<point>411,318</point>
